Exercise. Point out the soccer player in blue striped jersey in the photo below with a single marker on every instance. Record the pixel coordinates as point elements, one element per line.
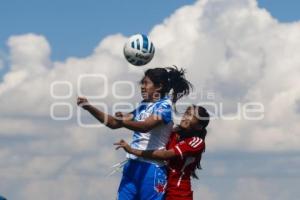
<point>152,124</point>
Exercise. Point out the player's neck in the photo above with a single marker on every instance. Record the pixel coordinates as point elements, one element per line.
<point>185,133</point>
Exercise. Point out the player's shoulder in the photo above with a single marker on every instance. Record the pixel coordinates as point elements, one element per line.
<point>192,146</point>
<point>194,142</point>
<point>162,106</point>
<point>165,101</point>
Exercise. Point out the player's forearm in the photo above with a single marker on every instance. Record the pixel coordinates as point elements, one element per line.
<point>104,118</point>
<point>152,154</point>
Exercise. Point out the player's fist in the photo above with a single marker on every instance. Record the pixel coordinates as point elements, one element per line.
<point>82,102</point>
<point>119,115</point>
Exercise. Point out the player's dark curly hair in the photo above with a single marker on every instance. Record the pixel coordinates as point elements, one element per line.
<point>170,79</point>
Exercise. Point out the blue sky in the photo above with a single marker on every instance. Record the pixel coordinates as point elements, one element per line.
<point>75,27</point>
<point>283,10</point>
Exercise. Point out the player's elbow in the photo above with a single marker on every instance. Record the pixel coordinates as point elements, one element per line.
<point>113,127</point>
<point>145,129</point>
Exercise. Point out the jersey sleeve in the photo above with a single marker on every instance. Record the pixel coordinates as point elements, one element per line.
<point>189,147</point>
<point>164,111</point>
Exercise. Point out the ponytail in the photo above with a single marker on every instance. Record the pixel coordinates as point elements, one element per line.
<point>178,83</point>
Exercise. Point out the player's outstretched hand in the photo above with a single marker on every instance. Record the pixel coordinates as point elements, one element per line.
<point>82,102</point>
<point>123,144</point>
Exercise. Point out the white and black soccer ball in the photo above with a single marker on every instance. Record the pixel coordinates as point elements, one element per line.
<point>139,50</point>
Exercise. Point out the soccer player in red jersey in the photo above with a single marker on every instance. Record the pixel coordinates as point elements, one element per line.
<point>184,151</point>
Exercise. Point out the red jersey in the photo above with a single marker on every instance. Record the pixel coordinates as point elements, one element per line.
<point>189,153</point>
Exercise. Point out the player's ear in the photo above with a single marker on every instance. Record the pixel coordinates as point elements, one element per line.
<point>159,88</point>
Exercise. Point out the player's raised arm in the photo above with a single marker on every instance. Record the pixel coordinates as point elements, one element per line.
<point>102,117</point>
<point>150,154</point>
<point>121,119</point>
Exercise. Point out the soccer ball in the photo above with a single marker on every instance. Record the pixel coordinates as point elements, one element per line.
<point>139,50</point>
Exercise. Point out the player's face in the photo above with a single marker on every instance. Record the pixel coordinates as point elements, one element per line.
<point>148,90</point>
<point>189,120</point>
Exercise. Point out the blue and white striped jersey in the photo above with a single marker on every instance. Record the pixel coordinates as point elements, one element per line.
<point>158,137</point>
